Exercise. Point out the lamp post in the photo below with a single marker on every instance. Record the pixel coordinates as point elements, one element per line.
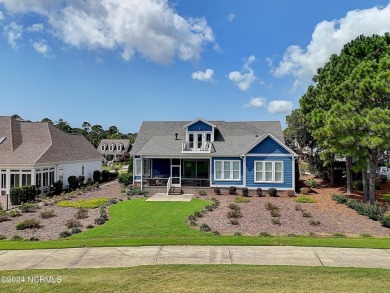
<point>7,199</point>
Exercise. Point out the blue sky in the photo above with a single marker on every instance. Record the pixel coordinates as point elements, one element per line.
<point>118,62</point>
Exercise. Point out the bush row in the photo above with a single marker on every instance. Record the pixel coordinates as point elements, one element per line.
<point>19,195</point>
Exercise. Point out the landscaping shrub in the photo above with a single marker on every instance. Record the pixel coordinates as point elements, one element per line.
<point>90,226</point>
<point>3,216</point>
<point>125,178</point>
<point>216,202</point>
<point>217,190</point>
<point>82,213</point>
<point>290,193</point>
<point>234,214</point>
<point>374,212</point>
<point>275,213</point>
<point>216,233</point>
<point>73,223</point>
<point>234,222</point>
<point>232,190</point>
<point>84,203</point>
<point>73,182</point>
<point>234,206</point>
<point>202,192</point>
<point>269,206</point>
<point>272,192</point>
<point>27,224</point>
<point>245,191</point>
<point>209,208</point>
<point>2,237</point>
<point>305,199</point>
<point>65,234</point>
<point>191,218</point>
<point>383,178</point>
<point>340,198</point>
<point>237,234</point>
<point>259,191</point>
<point>311,183</point>
<point>338,235</point>
<point>276,222</point>
<point>33,238</point>
<point>19,195</point>
<point>89,181</point>
<point>306,214</point>
<point>47,214</point>
<point>58,186</point>
<point>106,175</point>
<point>357,185</point>
<point>193,223</point>
<point>298,208</point>
<point>264,234</point>
<point>96,175</point>
<point>16,237</point>
<point>314,222</point>
<point>76,231</point>
<point>386,220</point>
<point>137,191</point>
<point>205,228</point>
<point>198,214</point>
<point>240,199</point>
<point>29,207</point>
<point>305,190</point>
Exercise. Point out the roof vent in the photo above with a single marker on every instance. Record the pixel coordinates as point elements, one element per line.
<point>2,139</point>
<point>176,134</point>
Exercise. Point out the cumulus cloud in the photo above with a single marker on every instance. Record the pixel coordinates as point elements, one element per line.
<point>328,38</point>
<point>13,32</point>
<point>149,28</point>
<point>203,75</point>
<point>257,102</point>
<point>279,106</point>
<point>42,48</point>
<point>1,15</point>
<point>244,78</point>
<point>35,28</point>
<point>231,16</point>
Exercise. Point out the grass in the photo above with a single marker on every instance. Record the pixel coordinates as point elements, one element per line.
<point>386,197</point>
<point>205,278</point>
<point>137,222</point>
<point>84,203</point>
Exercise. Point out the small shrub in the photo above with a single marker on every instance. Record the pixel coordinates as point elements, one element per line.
<point>202,192</point>
<point>338,235</point>
<point>275,213</point>
<point>306,214</point>
<point>216,233</point>
<point>27,224</point>
<point>73,223</point>
<point>272,192</point>
<point>123,190</point>
<point>269,206</point>
<point>3,216</point>
<point>298,208</point>
<point>259,191</point>
<point>90,226</point>
<point>73,182</point>
<point>245,191</point>
<point>305,199</point>
<point>312,234</point>
<point>13,213</point>
<point>234,214</point>
<point>276,222</point>
<point>216,202</point>
<point>264,234</point>
<point>311,183</point>
<point>241,199</point>
<point>125,178</point>
<point>47,214</point>
<point>29,207</point>
<point>232,190</point>
<point>386,220</point>
<point>137,191</point>
<point>191,218</point>
<point>33,238</point>
<point>100,220</point>
<point>193,223</point>
<point>217,190</point>
<point>292,235</point>
<point>237,234</point>
<point>234,222</point>
<point>383,178</point>
<point>209,208</point>
<point>2,237</point>
<point>82,213</point>
<point>357,185</point>
<point>16,237</point>
<point>340,198</point>
<point>65,234</point>
<point>314,222</point>
<point>76,231</point>
<point>290,193</point>
<point>365,235</point>
<point>198,214</point>
<point>85,203</point>
<point>205,228</point>
<point>234,206</point>
<point>305,190</point>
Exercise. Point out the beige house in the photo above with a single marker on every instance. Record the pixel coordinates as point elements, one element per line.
<point>112,149</point>
<point>38,153</point>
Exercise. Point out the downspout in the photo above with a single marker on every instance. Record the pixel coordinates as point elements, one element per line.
<point>243,157</point>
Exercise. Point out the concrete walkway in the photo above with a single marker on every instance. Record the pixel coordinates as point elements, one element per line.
<point>99,257</point>
<point>170,197</point>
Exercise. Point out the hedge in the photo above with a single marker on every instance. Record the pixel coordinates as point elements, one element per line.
<point>19,195</point>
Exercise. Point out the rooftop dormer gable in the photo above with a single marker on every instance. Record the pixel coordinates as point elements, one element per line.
<point>199,125</point>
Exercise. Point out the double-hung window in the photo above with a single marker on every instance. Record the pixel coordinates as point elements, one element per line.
<point>227,170</point>
<point>267,171</point>
<point>138,167</point>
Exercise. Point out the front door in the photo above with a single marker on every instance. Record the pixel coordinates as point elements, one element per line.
<point>175,175</point>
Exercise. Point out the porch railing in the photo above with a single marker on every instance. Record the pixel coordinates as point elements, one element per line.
<point>206,147</point>
<point>169,184</point>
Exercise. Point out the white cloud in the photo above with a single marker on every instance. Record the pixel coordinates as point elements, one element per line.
<point>42,48</point>
<point>244,78</point>
<point>150,28</point>
<point>231,16</point>
<point>257,102</point>
<point>13,33</point>
<point>1,15</point>
<point>328,38</point>
<point>203,75</point>
<point>279,106</point>
<point>35,28</point>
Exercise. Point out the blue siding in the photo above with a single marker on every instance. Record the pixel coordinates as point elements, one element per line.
<point>161,167</point>
<point>268,146</point>
<point>200,126</point>
<point>222,182</point>
<point>287,175</point>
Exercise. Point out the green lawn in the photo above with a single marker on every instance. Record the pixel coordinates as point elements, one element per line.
<point>205,278</point>
<point>137,222</point>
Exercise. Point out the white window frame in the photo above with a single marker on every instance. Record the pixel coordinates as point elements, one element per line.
<point>263,172</point>
<point>138,161</point>
<point>230,171</point>
<point>111,147</point>
<point>119,147</point>
<point>103,147</point>
<point>195,136</point>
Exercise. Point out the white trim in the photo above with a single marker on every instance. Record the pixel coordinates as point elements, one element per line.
<point>135,167</point>
<point>231,170</point>
<point>197,120</point>
<point>227,186</point>
<point>264,171</point>
<point>244,171</point>
<point>275,139</point>
<point>293,173</point>
<point>268,155</point>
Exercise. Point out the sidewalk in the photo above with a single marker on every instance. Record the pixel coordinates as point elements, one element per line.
<point>99,257</point>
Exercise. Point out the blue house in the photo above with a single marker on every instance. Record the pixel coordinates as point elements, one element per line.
<point>204,153</point>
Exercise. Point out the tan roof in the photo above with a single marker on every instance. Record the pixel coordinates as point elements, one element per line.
<point>41,143</point>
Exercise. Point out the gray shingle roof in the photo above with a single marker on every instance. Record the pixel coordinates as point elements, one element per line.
<point>41,143</point>
<point>157,138</point>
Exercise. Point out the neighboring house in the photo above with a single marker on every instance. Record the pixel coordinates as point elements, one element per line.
<point>213,154</point>
<point>112,149</point>
<point>38,153</point>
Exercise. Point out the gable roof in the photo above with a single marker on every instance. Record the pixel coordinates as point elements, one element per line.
<point>41,143</point>
<point>157,138</point>
<point>197,120</point>
<point>258,141</point>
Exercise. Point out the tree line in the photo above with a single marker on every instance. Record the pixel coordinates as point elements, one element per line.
<point>345,114</point>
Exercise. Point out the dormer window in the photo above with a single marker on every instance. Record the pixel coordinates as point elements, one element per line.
<point>119,147</point>
<point>103,147</point>
<point>111,147</point>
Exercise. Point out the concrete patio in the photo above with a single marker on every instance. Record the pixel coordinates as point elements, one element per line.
<point>170,197</point>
